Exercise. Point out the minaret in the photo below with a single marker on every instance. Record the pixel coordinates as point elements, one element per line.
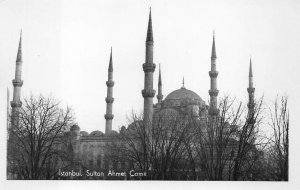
<point>213,73</point>
<point>251,90</point>
<point>17,83</point>
<point>148,67</point>
<point>109,99</point>
<point>159,96</point>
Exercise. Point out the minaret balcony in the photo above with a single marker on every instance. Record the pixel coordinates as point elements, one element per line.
<point>160,96</point>
<point>148,93</point>
<point>213,111</point>
<point>108,116</point>
<point>17,83</point>
<point>109,100</point>
<point>149,42</point>
<point>213,92</point>
<point>149,67</point>
<point>110,83</point>
<point>15,104</point>
<point>251,105</point>
<point>213,74</point>
<point>250,90</point>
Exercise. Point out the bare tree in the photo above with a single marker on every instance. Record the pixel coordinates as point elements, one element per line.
<point>164,141</point>
<point>278,155</point>
<point>227,146</point>
<point>182,146</point>
<point>248,142</point>
<point>35,145</point>
<point>215,140</point>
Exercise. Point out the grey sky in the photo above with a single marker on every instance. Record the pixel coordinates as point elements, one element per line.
<point>66,48</point>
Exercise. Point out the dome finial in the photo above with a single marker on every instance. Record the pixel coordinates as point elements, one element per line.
<point>183,83</point>
<point>250,68</point>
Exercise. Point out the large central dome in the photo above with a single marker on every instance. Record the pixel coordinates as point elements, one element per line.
<point>183,93</point>
<point>182,98</point>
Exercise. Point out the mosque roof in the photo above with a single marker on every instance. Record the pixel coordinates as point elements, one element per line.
<point>183,93</point>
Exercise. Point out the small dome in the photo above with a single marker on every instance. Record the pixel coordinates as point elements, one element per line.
<point>123,128</point>
<point>112,133</point>
<point>96,133</point>
<point>84,133</point>
<point>183,93</point>
<point>75,128</point>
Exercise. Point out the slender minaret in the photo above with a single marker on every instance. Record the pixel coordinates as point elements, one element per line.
<point>17,83</point>
<point>109,99</point>
<point>159,96</point>
<point>251,90</point>
<point>148,67</point>
<point>213,73</point>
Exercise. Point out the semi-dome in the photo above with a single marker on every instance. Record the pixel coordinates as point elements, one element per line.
<point>112,133</point>
<point>96,133</point>
<point>84,133</point>
<point>183,93</point>
<point>167,112</point>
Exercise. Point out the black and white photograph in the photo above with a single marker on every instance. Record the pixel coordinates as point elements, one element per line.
<point>156,93</point>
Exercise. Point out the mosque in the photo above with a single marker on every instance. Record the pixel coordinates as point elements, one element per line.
<point>88,149</point>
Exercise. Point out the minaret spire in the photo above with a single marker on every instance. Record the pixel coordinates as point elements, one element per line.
<point>159,95</point>
<point>250,69</point>
<point>251,91</point>
<point>213,51</point>
<point>19,56</point>
<point>109,99</point>
<point>149,67</point>
<point>110,67</point>
<point>213,73</point>
<point>17,83</point>
<point>149,30</point>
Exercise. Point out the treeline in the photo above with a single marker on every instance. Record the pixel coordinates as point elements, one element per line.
<point>238,144</point>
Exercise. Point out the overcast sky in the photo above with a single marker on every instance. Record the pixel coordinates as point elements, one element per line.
<point>66,46</point>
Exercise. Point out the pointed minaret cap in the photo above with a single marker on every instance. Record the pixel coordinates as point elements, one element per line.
<point>159,77</point>
<point>213,51</point>
<point>19,55</point>
<point>110,67</point>
<point>149,30</point>
<point>250,69</point>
